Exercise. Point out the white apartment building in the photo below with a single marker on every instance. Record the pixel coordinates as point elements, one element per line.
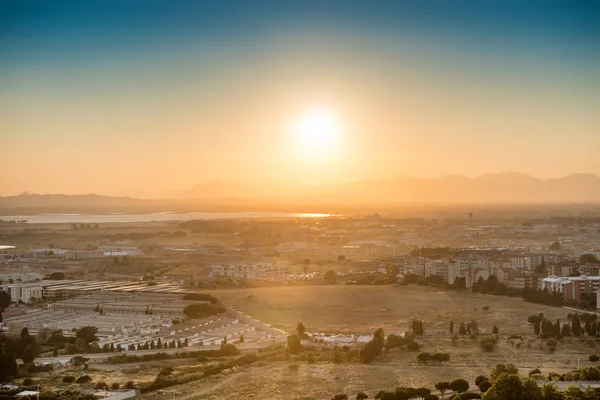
<point>518,280</point>
<point>472,261</point>
<point>498,264</point>
<point>437,267</point>
<point>522,262</point>
<point>23,291</point>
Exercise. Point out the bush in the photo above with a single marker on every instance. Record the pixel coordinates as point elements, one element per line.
<point>413,346</point>
<point>28,382</point>
<point>115,386</point>
<point>594,358</point>
<point>424,357</point>
<point>100,385</point>
<point>200,297</point>
<point>484,386</point>
<point>480,378</point>
<point>165,371</point>
<point>439,357</point>
<point>129,385</point>
<point>84,379</point>
<point>487,344</point>
<point>68,379</point>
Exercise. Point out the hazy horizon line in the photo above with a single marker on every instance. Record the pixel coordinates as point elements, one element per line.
<point>178,192</point>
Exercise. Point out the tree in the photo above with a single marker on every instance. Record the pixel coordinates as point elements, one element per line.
<point>481,378</point>
<point>499,369</point>
<point>573,392</point>
<point>423,392</point>
<point>293,344</point>
<point>8,364</point>
<point>342,258</point>
<point>340,397</point>
<point>576,326</point>
<point>531,390</point>
<point>506,387</point>
<point>550,392</point>
<point>201,310</point>
<point>442,387</point>
<point>28,354</point>
<point>459,385</point>
<point>495,329</point>
<point>87,333</point>
<point>462,329</point>
<point>362,396</point>
<point>4,303</point>
<point>451,326</point>
<point>330,277</point>
<point>484,386</point>
<point>241,339</point>
<point>555,246</point>
<point>201,297</point>
<point>300,329</point>
<point>57,276</point>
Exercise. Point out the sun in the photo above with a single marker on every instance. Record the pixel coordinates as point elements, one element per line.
<point>317,133</point>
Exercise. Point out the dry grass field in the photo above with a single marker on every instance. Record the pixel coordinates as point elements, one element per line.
<point>354,309</point>
<point>362,309</point>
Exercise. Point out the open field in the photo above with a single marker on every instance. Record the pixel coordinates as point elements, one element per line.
<point>362,309</point>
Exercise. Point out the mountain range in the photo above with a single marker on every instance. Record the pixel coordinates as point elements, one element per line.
<point>506,187</point>
<point>511,187</point>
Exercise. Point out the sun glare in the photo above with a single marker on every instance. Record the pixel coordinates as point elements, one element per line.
<point>318,133</point>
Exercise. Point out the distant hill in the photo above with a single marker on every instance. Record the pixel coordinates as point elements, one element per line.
<point>512,187</point>
<point>61,203</point>
<point>506,187</point>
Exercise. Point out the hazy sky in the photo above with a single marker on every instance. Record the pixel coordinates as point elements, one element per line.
<point>152,96</point>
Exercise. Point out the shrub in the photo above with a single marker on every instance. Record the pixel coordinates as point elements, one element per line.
<point>165,371</point>
<point>68,379</point>
<point>424,357</point>
<point>115,386</point>
<point>480,378</point>
<point>594,358</point>
<point>487,344</point>
<point>100,385</point>
<point>129,385</point>
<point>28,382</point>
<point>413,346</point>
<point>484,386</point>
<point>84,379</point>
<point>439,357</point>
